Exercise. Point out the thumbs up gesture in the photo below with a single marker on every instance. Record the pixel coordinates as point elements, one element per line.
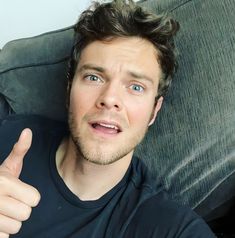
<point>16,198</point>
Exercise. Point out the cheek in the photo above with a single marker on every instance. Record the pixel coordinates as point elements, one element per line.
<point>79,102</point>
<point>140,115</point>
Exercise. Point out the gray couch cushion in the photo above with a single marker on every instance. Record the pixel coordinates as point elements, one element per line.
<point>33,73</point>
<point>193,141</point>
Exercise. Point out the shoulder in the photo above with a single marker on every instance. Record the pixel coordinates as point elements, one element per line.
<point>11,127</point>
<point>160,217</point>
<point>14,122</point>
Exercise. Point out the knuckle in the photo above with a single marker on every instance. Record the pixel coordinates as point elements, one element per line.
<point>19,149</point>
<point>25,213</point>
<point>4,180</point>
<point>15,148</point>
<point>36,198</point>
<point>15,228</point>
<point>4,235</point>
<point>7,181</point>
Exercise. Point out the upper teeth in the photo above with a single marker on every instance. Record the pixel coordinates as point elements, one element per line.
<point>109,126</point>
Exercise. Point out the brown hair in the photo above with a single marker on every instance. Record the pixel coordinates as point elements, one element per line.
<point>121,18</point>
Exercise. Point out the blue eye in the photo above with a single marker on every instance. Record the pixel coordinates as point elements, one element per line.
<point>93,78</point>
<point>137,88</point>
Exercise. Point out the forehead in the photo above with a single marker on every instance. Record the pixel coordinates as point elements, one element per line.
<point>122,54</point>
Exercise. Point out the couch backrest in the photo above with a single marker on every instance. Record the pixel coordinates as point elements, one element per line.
<point>195,132</point>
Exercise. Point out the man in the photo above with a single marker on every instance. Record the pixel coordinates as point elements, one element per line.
<point>87,180</point>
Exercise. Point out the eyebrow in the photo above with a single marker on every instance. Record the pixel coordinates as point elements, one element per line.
<point>103,70</point>
<point>91,66</point>
<point>140,76</point>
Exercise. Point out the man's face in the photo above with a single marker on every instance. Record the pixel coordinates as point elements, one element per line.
<point>112,98</point>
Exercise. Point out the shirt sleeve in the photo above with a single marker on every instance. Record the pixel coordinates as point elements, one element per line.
<point>161,218</point>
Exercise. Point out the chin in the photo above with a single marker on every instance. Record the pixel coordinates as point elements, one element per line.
<point>101,156</point>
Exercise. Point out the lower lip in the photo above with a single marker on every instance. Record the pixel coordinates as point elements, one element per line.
<point>104,133</point>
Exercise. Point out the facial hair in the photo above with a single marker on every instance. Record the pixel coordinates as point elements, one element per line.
<point>97,154</point>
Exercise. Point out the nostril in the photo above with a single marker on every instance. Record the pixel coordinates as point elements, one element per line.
<point>107,104</point>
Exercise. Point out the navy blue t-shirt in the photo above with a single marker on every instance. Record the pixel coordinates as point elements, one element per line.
<point>134,208</point>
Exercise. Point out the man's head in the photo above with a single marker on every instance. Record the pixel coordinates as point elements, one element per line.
<point>123,18</point>
<point>120,61</point>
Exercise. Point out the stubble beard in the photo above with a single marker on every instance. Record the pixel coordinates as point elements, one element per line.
<point>96,154</point>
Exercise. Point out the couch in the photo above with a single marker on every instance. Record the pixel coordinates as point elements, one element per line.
<point>191,147</point>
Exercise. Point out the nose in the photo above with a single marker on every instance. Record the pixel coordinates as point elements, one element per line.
<point>110,98</point>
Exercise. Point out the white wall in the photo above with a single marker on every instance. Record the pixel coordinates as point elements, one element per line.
<point>24,18</point>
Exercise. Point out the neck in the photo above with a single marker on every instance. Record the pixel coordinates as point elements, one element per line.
<point>87,180</point>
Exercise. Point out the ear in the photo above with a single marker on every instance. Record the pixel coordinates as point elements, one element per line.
<point>69,85</point>
<point>157,107</point>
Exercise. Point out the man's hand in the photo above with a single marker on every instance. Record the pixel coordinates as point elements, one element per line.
<point>16,198</point>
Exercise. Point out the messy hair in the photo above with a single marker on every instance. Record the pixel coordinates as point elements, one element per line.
<point>123,18</point>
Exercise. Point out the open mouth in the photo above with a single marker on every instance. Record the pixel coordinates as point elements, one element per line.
<point>106,128</point>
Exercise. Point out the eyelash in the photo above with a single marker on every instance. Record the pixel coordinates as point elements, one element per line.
<point>98,79</point>
<point>88,77</point>
<point>139,86</point>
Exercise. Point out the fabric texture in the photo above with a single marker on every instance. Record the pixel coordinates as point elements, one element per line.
<point>33,73</point>
<point>197,122</point>
<point>5,109</point>
<point>136,207</point>
<point>191,147</point>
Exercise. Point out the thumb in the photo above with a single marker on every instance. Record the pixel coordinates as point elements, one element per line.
<point>14,162</point>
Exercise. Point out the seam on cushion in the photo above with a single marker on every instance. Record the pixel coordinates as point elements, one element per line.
<point>180,5</point>
<point>213,189</point>
<point>9,108</point>
<point>35,65</point>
